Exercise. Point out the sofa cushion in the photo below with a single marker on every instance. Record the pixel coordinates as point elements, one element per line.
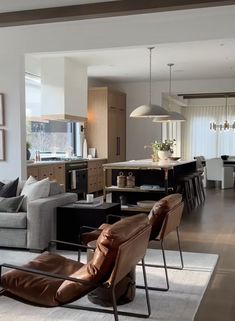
<point>33,190</point>
<point>55,188</point>
<point>13,220</point>
<point>9,189</point>
<point>11,204</point>
<point>159,211</point>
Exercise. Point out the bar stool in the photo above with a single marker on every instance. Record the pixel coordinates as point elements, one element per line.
<point>187,190</point>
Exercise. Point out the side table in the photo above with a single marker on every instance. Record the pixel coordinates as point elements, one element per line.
<point>69,219</point>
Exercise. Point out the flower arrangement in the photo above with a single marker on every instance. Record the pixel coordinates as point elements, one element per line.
<point>167,145</point>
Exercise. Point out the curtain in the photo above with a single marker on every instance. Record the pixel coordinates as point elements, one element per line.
<point>198,139</point>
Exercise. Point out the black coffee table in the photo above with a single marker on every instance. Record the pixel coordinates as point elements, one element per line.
<point>72,216</point>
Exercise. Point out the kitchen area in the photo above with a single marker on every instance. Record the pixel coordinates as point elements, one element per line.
<point>72,130</point>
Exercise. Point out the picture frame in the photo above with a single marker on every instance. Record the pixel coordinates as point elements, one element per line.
<point>2,145</point>
<point>1,110</point>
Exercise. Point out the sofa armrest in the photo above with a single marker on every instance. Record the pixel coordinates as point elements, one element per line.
<point>41,219</point>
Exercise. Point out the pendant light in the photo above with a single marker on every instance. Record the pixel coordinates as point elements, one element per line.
<point>225,125</point>
<point>173,115</point>
<point>150,110</point>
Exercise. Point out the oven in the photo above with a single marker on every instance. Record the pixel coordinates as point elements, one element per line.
<point>76,176</point>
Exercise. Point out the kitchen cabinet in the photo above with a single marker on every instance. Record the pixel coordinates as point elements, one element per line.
<point>106,126</point>
<point>32,171</point>
<point>53,171</point>
<point>95,175</point>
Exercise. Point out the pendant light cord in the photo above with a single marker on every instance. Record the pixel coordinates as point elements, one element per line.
<point>150,75</point>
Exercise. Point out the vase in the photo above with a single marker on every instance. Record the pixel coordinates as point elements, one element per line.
<point>28,154</point>
<point>164,154</point>
<point>155,157</point>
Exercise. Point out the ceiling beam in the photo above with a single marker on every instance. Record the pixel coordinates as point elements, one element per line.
<point>207,95</point>
<point>102,9</point>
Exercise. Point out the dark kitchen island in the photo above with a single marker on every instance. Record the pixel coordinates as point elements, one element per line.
<point>153,180</point>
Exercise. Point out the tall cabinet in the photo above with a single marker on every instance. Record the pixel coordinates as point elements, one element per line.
<point>106,127</point>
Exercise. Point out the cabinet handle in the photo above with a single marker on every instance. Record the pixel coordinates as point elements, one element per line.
<point>117,146</point>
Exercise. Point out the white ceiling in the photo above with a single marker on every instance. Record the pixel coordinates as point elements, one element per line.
<point>205,59</point>
<point>192,60</point>
<point>6,5</point>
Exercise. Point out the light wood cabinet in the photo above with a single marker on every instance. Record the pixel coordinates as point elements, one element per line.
<point>95,175</point>
<point>32,171</point>
<point>106,126</point>
<point>53,171</point>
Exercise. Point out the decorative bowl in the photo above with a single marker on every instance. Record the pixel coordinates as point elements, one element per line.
<point>224,157</point>
<point>174,158</point>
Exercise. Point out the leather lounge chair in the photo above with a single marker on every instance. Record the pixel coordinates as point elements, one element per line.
<point>164,218</point>
<point>53,280</point>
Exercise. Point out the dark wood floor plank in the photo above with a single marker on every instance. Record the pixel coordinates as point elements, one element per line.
<point>211,229</point>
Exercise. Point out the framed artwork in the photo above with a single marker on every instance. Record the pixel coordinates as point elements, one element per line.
<point>1,110</point>
<point>2,145</point>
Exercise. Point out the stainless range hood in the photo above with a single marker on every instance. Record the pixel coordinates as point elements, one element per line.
<point>64,89</point>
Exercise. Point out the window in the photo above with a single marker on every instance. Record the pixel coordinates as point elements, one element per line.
<point>197,138</point>
<point>47,136</point>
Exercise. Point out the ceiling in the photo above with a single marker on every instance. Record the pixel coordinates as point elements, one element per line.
<point>192,60</point>
<point>205,59</point>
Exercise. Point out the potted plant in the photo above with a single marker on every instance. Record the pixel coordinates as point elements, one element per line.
<point>28,153</point>
<point>162,150</point>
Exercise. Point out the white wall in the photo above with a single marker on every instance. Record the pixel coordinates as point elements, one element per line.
<point>136,30</point>
<point>142,132</point>
<point>12,85</point>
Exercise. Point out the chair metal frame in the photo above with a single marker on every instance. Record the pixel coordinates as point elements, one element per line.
<point>115,310</point>
<point>164,230</point>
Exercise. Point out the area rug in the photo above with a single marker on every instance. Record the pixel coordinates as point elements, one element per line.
<point>180,303</point>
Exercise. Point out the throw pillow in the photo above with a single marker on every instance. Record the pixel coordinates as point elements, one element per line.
<point>9,189</point>
<point>34,190</point>
<point>11,204</point>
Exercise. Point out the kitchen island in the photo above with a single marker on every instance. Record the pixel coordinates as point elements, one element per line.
<point>153,180</point>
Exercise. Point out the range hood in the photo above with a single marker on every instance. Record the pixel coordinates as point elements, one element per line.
<point>64,90</point>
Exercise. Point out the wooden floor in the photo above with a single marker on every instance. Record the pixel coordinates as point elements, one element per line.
<point>211,229</point>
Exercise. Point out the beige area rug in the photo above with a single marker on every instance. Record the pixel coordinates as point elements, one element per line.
<point>180,303</point>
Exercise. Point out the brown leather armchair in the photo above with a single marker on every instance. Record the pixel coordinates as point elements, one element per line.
<point>164,218</point>
<point>51,279</point>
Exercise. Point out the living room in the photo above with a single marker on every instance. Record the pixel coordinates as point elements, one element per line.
<point>214,24</point>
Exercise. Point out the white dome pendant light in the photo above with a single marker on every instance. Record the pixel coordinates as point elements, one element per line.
<point>173,115</point>
<point>150,110</point>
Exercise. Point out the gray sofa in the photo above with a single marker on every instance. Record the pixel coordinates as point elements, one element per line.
<point>36,227</point>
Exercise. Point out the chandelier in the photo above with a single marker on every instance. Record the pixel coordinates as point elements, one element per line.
<point>225,125</point>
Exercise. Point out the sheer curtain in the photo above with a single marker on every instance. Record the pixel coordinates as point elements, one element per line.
<point>198,139</point>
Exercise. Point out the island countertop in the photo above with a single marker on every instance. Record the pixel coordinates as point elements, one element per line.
<point>147,164</point>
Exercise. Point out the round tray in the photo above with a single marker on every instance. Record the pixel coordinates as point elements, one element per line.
<point>146,204</point>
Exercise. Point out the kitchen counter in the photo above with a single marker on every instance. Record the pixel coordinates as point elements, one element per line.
<point>41,163</point>
<point>147,164</point>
